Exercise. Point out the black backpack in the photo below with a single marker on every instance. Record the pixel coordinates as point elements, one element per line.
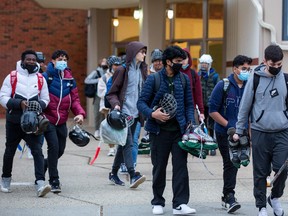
<point>90,90</point>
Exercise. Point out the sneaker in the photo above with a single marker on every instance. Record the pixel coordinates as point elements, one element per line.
<point>136,180</point>
<point>97,134</point>
<point>183,209</point>
<point>229,202</point>
<point>146,139</point>
<point>111,152</point>
<point>212,152</point>
<point>123,169</point>
<point>263,212</point>
<point>55,187</point>
<point>29,154</point>
<point>5,185</point>
<point>157,210</point>
<point>276,205</point>
<point>42,189</point>
<point>115,180</point>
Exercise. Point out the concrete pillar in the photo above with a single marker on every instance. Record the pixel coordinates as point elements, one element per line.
<point>99,45</point>
<point>152,24</point>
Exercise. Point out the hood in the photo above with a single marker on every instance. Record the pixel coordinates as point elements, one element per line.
<point>132,49</point>
<point>260,70</point>
<point>24,71</point>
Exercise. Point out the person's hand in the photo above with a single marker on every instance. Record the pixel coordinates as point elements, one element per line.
<point>202,116</point>
<point>235,137</point>
<point>117,107</point>
<point>24,104</point>
<point>79,119</point>
<point>161,116</point>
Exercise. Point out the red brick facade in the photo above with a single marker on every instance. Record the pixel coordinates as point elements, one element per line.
<point>26,25</point>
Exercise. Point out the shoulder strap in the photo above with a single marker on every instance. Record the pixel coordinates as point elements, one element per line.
<point>286,81</point>
<point>156,81</point>
<point>183,80</point>
<point>104,78</point>
<point>49,79</point>
<point>40,82</point>
<point>193,73</point>
<point>13,82</point>
<point>256,79</point>
<point>225,93</point>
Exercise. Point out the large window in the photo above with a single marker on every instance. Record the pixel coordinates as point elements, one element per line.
<point>285,20</point>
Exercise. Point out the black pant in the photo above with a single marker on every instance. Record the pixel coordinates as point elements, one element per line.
<point>56,142</point>
<point>268,148</point>
<point>161,146</point>
<point>14,135</point>
<point>229,170</point>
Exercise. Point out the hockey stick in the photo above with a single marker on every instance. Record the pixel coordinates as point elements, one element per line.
<point>97,149</point>
<point>279,172</point>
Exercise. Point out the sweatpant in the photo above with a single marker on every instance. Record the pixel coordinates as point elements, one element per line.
<point>162,145</point>
<point>267,149</point>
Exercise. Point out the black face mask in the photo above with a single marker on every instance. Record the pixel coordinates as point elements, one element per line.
<point>104,67</point>
<point>176,67</point>
<point>273,70</point>
<point>30,68</point>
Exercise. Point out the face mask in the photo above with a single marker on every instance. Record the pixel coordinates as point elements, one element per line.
<point>176,67</point>
<point>30,68</point>
<point>244,75</point>
<point>104,67</point>
<point>61,65</point>
<point>273,70</point>
<point>184,67</point>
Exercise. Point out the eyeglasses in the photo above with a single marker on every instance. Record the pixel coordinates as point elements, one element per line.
<point>142,51</point>
<point>245,69</point>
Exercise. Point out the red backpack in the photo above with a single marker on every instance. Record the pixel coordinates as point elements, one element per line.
<point>13,81</point>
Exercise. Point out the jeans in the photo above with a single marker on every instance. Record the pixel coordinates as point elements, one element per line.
<point>229,170</point>
<point>135,143</point>
<point>14,135</point>
<point>55,136</point>
<point>124,153</point>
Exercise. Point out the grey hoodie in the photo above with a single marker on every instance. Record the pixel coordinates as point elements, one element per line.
<point>268,114</point>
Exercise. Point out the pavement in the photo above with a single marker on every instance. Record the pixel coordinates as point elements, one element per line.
<point>87,191</point>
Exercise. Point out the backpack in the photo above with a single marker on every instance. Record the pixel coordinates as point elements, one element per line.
<point>91,89</point>
<point>13,82</point>
<point>256,79</point>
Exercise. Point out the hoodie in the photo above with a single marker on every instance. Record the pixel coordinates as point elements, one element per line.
<point>269,111</point>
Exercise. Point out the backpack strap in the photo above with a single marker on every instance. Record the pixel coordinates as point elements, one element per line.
<point>286,81</point>
<point>226,87</point>
<point>157,81</point>
<point>40,82</point>
<point>50,78</point>
<point>13,82</point>
<point>193,73</point>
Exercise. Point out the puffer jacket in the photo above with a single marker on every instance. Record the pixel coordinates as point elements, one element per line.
<point>63,94</point>
<point>150,97</point>
<point>26,89</point>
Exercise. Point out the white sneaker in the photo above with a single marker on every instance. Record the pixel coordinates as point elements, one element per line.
<point>97,134</point>
<point>111,152</point>
<point>157,210</point>
<point>183,209</point>
<point>5,184</point>
<point>263,212</point>
<point>29,154</point>
<point>276,205</point>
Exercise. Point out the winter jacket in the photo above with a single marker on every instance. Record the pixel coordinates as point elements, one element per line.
<point>26,89</point>
<point>150,97</point>
<point>195,84</point>
<point>63,94</point>
<point>268,113</point>
<point>233,96</point>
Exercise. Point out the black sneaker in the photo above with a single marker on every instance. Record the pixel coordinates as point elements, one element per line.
<point>115,180</point>
<point>56,188</point>
<point>229,202</point>
<point>146,139</point>
<point>136,180</point>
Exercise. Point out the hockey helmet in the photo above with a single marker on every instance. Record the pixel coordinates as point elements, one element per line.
<point>29,122</point>
<point>168,104</point>
<point>79,136</point>
<point>116,119</point>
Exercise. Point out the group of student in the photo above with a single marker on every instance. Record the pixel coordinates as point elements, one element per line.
<point>248,105</point>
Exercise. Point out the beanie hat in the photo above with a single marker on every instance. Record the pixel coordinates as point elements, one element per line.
<point>156,54</point>
<point>113,60</point>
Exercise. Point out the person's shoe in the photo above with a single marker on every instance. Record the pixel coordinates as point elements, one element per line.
<point>276,205</point>
<point>183,209</point>
<point>97,134</point>
<point>111,152</point>
<point>146,139</point>
<point>41,188</point>
<point>5,184</point>
<point>212,152</point>
<point>230,203</point>
<point>29,154</point>
<point>263,212</point>
<point>123,169</point>
<point>136,180</point>
<point>115,180</point>
<point>55,187</point>
<point>157,210</point>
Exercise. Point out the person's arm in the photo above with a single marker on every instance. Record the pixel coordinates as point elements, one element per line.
<point>92,78</point>
<point>101,89</point>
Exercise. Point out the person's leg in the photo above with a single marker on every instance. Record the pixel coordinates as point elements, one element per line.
<point>98,116</point>
<point>160,150</point>
<point>62,137</point>
<point>135,143</point>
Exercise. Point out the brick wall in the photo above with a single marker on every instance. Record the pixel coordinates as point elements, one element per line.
<point>26,25</point>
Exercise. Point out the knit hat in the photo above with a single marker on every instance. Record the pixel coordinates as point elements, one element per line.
<point>113,60</point>
<point>156,54</point>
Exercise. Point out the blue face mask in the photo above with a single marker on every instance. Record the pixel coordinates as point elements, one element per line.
<point>244,75</point>
<point>61,65</point>
<point>184,67</point>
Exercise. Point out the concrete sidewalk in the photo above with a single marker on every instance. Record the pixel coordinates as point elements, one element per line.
<point>87,191</point>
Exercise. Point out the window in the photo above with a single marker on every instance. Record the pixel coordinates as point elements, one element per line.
<point>285,20</point>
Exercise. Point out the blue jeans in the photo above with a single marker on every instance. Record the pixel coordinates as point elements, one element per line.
<point>135,143</point>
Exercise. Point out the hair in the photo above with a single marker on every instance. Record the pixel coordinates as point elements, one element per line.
<point>274,53</point>
<point>241,60</point>
<point>172,52</point>
<point>59,53</point>
<point>27,52</point>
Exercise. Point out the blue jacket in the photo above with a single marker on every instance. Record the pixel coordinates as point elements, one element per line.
<point>234,96</point>
<point>150,97</point>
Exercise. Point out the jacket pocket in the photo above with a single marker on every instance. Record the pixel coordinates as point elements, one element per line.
<point>258,119</point>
